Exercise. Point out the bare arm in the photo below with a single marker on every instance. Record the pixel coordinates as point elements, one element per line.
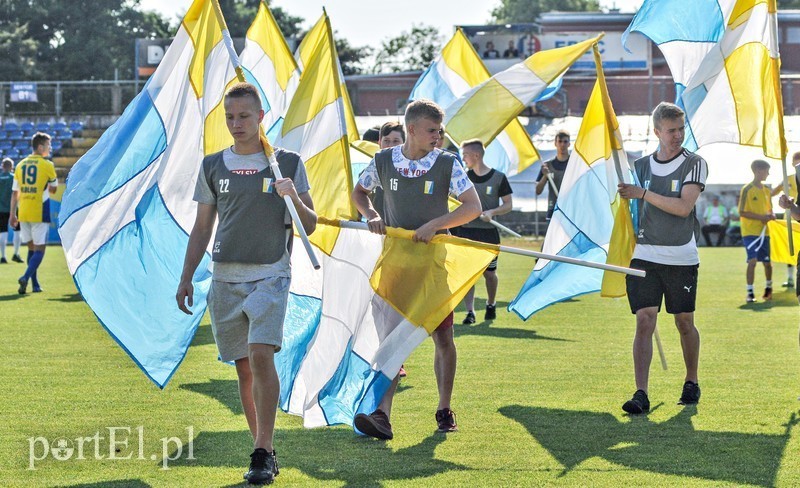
<point>12,220</point>
<point>198,242</point>
<point>503,209</point>
<point>302,202</point>
<point>360,198</point>
<point>759,217</point>
<point>681,206</point>
<point>787,203</point>
<point>469,210</point>
<point>543,181</point>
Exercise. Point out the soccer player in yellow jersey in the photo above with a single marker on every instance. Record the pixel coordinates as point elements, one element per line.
<point>755,210</point>
<point>792,180</point>
<point>34,181</point>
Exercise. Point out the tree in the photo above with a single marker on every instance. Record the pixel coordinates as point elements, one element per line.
<point>520,11</point>
<point>409,51</point>
<point>351,57</point>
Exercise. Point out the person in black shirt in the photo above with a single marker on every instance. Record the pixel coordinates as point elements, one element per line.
<point>555,167</point>
<point>511,52</point>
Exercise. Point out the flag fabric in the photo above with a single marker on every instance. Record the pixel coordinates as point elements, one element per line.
<point>459,68</point>
<point>268,58</point>
<point>343,342</point>
<point>724,57</point>
<point>316,126</point>
<point>779,242</point>
<point>486,109</point>
<point>585,211</point>
<point>127,208</point>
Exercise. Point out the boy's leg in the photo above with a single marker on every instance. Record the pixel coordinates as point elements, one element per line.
<point>246,393</point>
<point>690,343</point>
<point>643,345</point>
<point>444,362</point>
<point>266,390</point>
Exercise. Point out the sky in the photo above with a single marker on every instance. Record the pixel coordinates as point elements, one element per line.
<point>383,20</point>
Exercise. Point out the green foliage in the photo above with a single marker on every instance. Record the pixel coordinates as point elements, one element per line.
<point>785,4</point>
<point>409,51</point>
<point>538,402</point>
<point>351,57</point>
<point>521,11</point>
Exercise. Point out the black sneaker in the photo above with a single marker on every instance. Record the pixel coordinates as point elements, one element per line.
<point>374,425</point>
<point>469,319</point>
<point>3,261</point>
<point>751,297</point>
<point>446,419</point>
<point>491,312</point>
<point>767,294</point>
<point>263,467</point>
<point>691,394</point>
<point>16,258</point>
<point>638,404</point>
<point>23,286</point>
<point>786,284</point>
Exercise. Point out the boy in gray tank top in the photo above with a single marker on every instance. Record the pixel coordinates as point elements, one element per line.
<point>493,188</point>
<point>416,179</point>
<point>666,249</point>
<point>250,281</point>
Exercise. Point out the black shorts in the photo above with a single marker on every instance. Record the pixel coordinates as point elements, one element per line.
<point>489,236</point>
<point>677,285</point>
<point>4,221</point>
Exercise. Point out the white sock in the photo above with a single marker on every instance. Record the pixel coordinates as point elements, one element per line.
<point>769,283</point>
<point>16,243</point>
<point>750,289</point>
<point>3,243</point>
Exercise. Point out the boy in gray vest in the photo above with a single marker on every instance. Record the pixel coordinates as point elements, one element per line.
<point>555,167</point>
<point>250,281</point>
<point>416,178</point>
<point>666,249</point>
<point>493,188</point>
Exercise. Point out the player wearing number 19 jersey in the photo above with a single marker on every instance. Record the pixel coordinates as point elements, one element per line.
<point>34,181</point>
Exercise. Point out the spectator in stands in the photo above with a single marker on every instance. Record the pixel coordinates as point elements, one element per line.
<point>793,181</point>
<point>491,52</point>
<point>553,171</point>
<point>716,219</point>
<point>6,183</point>
<point>755,209</point>
<point>511,52</point>
<point>34,181</point>
<point>734,231</point>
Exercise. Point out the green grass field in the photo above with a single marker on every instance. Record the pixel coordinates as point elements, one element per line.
<point>538,402</point>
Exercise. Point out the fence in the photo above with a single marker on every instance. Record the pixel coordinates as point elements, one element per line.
<point>71,98</point>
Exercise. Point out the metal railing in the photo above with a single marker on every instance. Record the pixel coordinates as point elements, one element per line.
<point>71,98</point>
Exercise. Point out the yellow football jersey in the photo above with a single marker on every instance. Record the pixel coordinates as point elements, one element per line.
<point>33,175</point>
<point>755,200</point>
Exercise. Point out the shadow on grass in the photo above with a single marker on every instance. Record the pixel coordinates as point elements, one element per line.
<point>224,391</point>
<point>673,447</point>
<point>71,298</point>
<point>485,329</point>
<point>330,454</point>
<point>112,484</point>
<point>204,336</point>
<point>9,298</point>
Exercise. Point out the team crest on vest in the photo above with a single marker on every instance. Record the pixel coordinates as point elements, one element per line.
<point>267,186</point>
<point>428,188</point>
<point>675,185</point>
<point>646,184</point>
<point>488,190</point>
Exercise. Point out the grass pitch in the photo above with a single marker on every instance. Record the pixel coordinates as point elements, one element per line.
<point>537,402</point>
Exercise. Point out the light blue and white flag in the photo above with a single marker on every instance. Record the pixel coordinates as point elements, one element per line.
<point>127,209</point>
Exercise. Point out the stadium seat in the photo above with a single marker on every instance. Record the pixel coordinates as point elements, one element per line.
<point>11,126</point>
<point>76,126</point>
<point>27,126</point>
<point>29,133</point>
<point>43,127</point>
<point>22,144</point>
<point>3,135</point>
<point>64,134</point>
<point>59,126</point>
<point>12,153</point>
<point>56,145</point>
<point>6,145</point>
<point>15,135</point>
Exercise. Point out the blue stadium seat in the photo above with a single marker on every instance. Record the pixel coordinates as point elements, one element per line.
<point>6,145</point>
<point>26,126</point>
<point>64,134</point>
<point>12,153</point>
<point>56,145</point>
<point>43,127</point>
<point>3,135</point>
<point>15,134</point>
<point>22,144</point>
<point>76,126</point>
<point>29,133</point>
<point>59,126</point>
<point>11,126</point>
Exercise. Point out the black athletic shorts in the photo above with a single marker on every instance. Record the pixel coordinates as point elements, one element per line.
<point>489,236</point>
<point>4,221</point>
<point>677,285</point>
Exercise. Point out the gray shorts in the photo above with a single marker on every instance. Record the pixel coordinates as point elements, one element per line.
<point>247,313</point>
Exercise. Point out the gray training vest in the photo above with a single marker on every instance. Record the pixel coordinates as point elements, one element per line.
<point>488,193</point>
<point>657,227</point>
<point>409,203</point>
<point>251,226</point>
